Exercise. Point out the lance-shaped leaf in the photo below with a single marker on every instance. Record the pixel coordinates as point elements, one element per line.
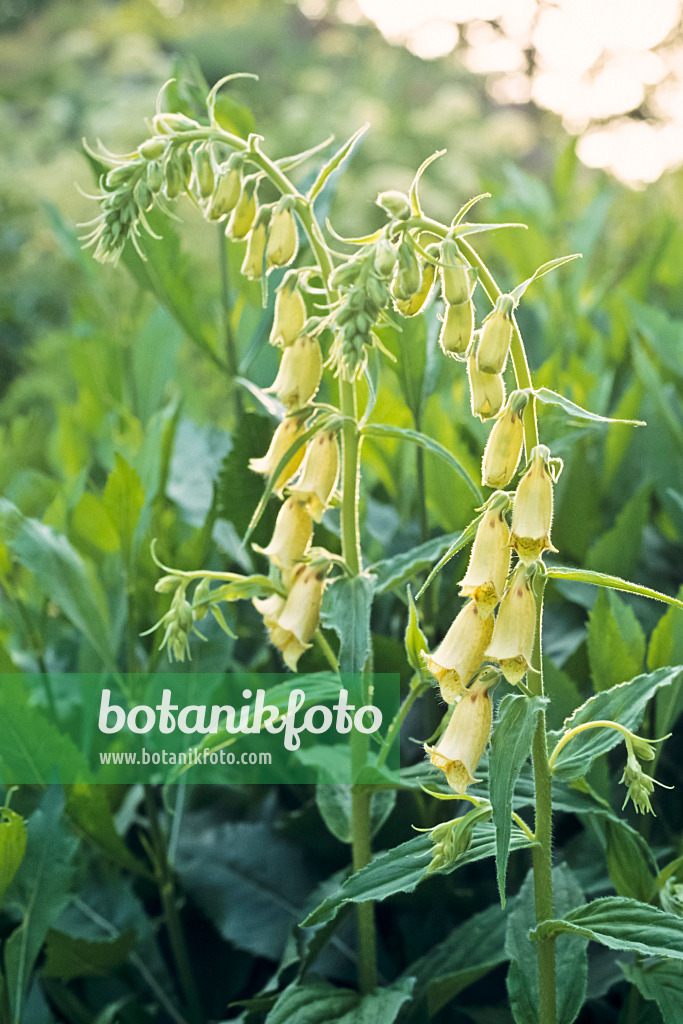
<point>336,161</point>
<point>624,703</point>
<point>346,609</point>
<point>548,397</point>
<point>392,572</point>
<point>511,741</point>
<point>620,923</point>
<point>461,541</point>
<point>319,1002</point>
<point>661,981</point>
<point>601,579</point>
<point>518,292</point>
<point>426,442</point>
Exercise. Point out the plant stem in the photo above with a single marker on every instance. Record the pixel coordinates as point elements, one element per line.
<point>166,885</point>
<point>362,852</point>
<point>230,349</point>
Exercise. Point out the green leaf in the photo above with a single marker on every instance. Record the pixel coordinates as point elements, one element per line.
<point>467,954</point>
<point>572,961</point>
<point>601,579</point>
<point>124,498</point>
<point>154,360</point>
<point>661,981</point>
<point>615,640</point>
<point>461,541</point>
<point>12,846</point>
<point>630,863</point>
<point>61,573</point>
<point>624,703</point>
<point>336,161</point>
<point>91,522</point>
<point>620,923</point>
<point>618,550</point>
<point>519,291</point>
<point>666,642</point>
<point>334,804</point>
<point>69,956</point>
<point>319,1002</point>
<point>403,868</point>
<point>239,490</point>
<point>549,397</point>
<point>392,572</point>
<point>347,606</point>
<point>91,815</point>
<point>426,442</point>
<point>40,890</point>
<point>511,741</point>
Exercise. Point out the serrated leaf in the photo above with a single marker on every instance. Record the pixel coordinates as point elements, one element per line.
<point>319,1002</point>
<point>549,397</point>
<point>660,981</point>
<point>40,890</point>
<point>347,606</point>
<point>571,958</point>
<point>426,442</point>
<point>61,573</point>
<point>620,923</point>
<point>631,866</point>
<point>239,489</point>
<point>403,868</point>
<point>511,740</point>
<point>336,161</point>
<point>624,703</point>
<point>335,806</point>
<point>615,641</point>
<point>69,956</point>
<point>392,572</point>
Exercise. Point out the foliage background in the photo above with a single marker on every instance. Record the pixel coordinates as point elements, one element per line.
<point>118,425</point>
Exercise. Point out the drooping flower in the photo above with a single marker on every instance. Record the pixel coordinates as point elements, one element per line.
<point>532,514</point>
<point>290,312</point>
<point>489,562</point>
<point>461,651</point>
<point>459,750</point>
<point>252,265</point>
<point>496,335</point>
<point>504,446</point>
<point>319,474</point>
<point>457,328</point>
<point>512,643</point>
<point>300,371</point>
<point>282,238</point>
<point>487,390</point>
<point>298,620</point>
<point>242,216</point>
<point>291,536</point>
<point>287,433</point>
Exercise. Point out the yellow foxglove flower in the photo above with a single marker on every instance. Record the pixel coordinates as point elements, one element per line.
<point>461,651</point>
<point>269,609</point>
<point>413,305</point>
<point>459,750</point>
<point>457,279</point>
<point>289,431</point>
<point>487,390</point>
<point>291,536</point>
<point>457,328</point>
<point>487,571</point>
<point>504,446</point>
<point>299,618</point>
<point>319,474</point>
<point>300,371</point>
<point>226,194</point>
<point>532,514</point>
<point>512,643</point>
<point>290,313</point>
<point>496,335</point>
<point>252,265</point>
<point>242,216</point>
<point>282,239</point>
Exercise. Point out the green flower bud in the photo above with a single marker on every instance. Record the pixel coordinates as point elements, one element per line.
<point>408,277</point>
<point>226,194</point>
<point>496,335</point>
<point>169,124</point>
<point>242,216</point>
<point>167,584</point>
<point>290,313</point>
<point>457,279</point>
<point>282,238</point>
<point>120,175</point>
<point>456,329</point>
<point>174,177</point>
<point>413,305</point>
<point>200,604</point>
<point>143,195</point>
<point>204,173</point>
<point>414,640</point>
<point>152,149</point>
<point>395,203</point>
<point>155,175</point>
<point>252,266</point>
<point>487,390</point>
<point>345,274</point>
<point>186,166</point>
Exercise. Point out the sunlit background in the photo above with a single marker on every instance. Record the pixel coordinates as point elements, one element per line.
<point>612,69</point>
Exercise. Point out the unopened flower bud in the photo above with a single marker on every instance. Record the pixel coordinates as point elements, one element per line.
<point>290,313</point>
<point>242,216</point>
<point>204,173</point>
<point>291,536</point>
<point>512,643</point>
<point>639,785</point>
<point>318,474</point>
<point>532,514</point>
<point>395,203</point>
<point>408,277</point>
<point>457,328</point>
<point>461,651</point>
<point>155,175</point>
<point>152,149</point>
<point>287,433</point>
<point>487,390</point>
<point>457,279</point>
<point>226,194</point>
<point>167,584</point>
<point>200,603</point>
<point>186,166</point>
<point>252,265</point>
<point>282,238</point>
<point>496,335</point>
<point>346,273</point>
<point>489,563</point>
<point>300,371</point>
<point>143,195</point>
<point>120,175</point>
<point>174,177</point>
<point>504,446</point>
<point>459,750</point>
<point>414,640</point>
<point>413,305</point>
<point>169,124</point>
<point>299,618</point>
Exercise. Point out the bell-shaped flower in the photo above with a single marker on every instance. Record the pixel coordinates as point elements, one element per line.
<point>459,750</point>
<point>319,474</point>
<point>504,446</point>
<point>290,312</point>
<point>301,369</point>
<point>461,651</point>
<point>512,643</point>
<point>226,193</point>
<point>291,536</point>
<point>489,563</point>
<point>457,328</point>
<point>487,390</point>
<point>242,216</point>
<point>252,265</point>
<point>457,278</point>
<point>297,622</point>
<point>496,335</point>
<point>269,609</point>
<point>287,433</point>
<point>282,238</point>
<point>532,514</point>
